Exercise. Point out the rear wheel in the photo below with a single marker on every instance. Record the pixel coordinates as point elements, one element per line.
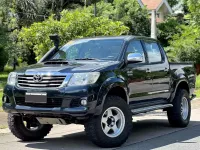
<point>179,114</point>
<point>113,126</point>
<point>26,128</point>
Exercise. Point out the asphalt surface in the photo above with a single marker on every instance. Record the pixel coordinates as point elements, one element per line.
<point>150,131</point>
<point>3,120</point>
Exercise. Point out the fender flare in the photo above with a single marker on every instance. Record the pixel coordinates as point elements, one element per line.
<point>177,85</point>
<point>109,84</point>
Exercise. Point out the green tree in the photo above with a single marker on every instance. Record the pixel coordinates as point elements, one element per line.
<point>194,8</point>
<point>133,16</point>
<point>26,12</point>
<point>72,25</point>
<point>103,9</point>
<point>173,2</point>
<point>3,58</point>
<point>186,45</point>
<point>167,29</point>
<point>29,11</point>
<point>3,52</point>
<point>127,11</point>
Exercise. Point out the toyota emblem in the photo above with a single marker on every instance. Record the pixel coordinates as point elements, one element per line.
<point>37,78</point>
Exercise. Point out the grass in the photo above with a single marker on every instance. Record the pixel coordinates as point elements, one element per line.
<point>4,76</point>
<point>3,79</point>
<point>198,82</point>
<point>1,94</point>
<point>3,126</point>
<point>197,91</point>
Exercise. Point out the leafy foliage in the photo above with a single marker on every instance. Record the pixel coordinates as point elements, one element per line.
<point>103,9</point>
<point>127,11</point>
<point>25,12</point>
<point>133,16</point>
<point>3,58</point>
<point>194,8</point>
<point>3,52</point>
<point>73,24</point>
<point>173,2</point>
<point>167,29</point>
<point>186,45</point>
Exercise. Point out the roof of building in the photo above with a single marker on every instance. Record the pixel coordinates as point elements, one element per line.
<point>151,4</point>
<point>155,4</point>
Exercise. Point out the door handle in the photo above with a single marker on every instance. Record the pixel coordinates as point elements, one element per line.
<point>148,70</point>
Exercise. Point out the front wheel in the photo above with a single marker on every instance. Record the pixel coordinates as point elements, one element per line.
<point>179,114</point>
<point>113,126</point>
<point>26,128</point>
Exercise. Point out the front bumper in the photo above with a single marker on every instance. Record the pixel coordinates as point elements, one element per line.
<point>66,96</point>
<point>77,111</point>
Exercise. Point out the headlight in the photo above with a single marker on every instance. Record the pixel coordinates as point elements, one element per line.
<point>12,78</point>
<point>83,78</point>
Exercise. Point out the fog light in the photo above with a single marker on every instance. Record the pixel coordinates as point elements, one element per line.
<point>83,102</point>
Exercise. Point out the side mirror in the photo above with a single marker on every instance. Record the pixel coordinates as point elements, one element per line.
<point>135,58</point>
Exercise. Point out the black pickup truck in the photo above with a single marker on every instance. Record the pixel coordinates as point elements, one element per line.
<point>100,83</point>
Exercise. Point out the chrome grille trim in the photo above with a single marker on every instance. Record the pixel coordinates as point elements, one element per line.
<point>47,81</point>
<point>44,78</point>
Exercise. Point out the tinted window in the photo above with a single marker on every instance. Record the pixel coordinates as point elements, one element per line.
<point>135,47</point>
<point>153,52</point>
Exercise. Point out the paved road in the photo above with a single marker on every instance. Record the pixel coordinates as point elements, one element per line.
<point>151,131</point>
<point>3,119</point>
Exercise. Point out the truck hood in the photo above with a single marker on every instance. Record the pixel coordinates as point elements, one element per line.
<point>71,67</point>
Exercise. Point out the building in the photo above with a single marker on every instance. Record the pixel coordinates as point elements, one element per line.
<point>162,8</point>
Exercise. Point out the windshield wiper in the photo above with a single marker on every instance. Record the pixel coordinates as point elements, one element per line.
<point>85,59</point>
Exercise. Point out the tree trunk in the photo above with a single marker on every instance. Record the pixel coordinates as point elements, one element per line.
<point>197,66</point>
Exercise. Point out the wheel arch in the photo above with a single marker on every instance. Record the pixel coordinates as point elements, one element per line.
<point>112,86</point>
<point>182,84</point>
<point>118,91</point>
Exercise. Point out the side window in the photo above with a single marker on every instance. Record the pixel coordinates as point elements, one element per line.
<point>153,52</point>
<point>135,47</point>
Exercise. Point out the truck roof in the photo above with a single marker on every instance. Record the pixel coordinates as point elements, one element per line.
<point>125,37</point>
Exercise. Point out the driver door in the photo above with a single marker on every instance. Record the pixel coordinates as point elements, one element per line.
<point>138,77</point>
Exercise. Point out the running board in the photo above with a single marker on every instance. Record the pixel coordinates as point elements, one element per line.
<point>150,108</point>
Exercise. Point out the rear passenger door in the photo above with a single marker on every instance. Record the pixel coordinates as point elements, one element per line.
<point>159,70</point>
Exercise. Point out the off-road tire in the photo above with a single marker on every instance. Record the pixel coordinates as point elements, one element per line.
<point>174,114</point>
<point>18,129</point>
<point>94,130</point>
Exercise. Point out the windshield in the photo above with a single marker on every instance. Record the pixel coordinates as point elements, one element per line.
<point>89,49</point>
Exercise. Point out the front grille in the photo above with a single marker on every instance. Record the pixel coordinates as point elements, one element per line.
<point>46,82</point>
<point>51,102</point>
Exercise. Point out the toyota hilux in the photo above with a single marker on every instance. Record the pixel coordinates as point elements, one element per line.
<point>101,83</point>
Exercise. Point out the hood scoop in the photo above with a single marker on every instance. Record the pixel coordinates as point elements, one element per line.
<point>56,63</point>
